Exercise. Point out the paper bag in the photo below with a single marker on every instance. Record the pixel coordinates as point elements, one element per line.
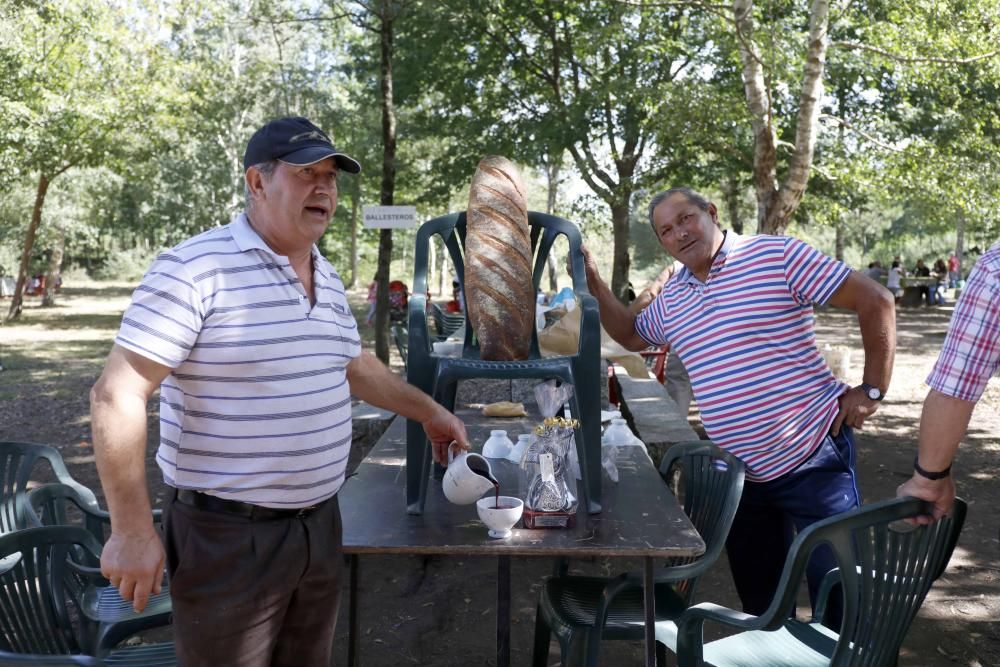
<point>563,339</point>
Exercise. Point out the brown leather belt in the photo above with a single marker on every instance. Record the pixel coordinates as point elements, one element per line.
<point>208,503</point>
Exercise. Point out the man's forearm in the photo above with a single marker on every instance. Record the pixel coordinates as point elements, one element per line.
<point>119,431</point>
<point>877,321</point>
<point>616,318</point>
<point>943,423</point>
<point>372,382</point>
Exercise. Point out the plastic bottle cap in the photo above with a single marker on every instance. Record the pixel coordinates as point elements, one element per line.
<point>498,432</point>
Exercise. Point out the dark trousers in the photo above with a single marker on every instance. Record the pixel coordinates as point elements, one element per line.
<point>771,513</point>
<point>253,593</point>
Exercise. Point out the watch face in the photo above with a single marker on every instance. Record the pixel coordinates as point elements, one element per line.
<point>874,393</point>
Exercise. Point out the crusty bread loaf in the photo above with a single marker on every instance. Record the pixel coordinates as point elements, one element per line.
<point>498,291</point>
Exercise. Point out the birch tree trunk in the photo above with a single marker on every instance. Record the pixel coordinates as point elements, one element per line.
<point>777,202</point>
<point>552,170</point>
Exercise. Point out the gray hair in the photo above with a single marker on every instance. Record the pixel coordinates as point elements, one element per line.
<point>266,170</point>
<point>693,196</point>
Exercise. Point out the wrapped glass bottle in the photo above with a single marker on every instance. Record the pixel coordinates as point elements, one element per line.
<point>551,499</point>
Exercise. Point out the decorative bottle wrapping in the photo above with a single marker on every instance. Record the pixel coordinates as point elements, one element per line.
<point>551,498</point>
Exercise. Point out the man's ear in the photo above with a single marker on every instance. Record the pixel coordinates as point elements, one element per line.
<point>255,182</point>
<point>714,212</point>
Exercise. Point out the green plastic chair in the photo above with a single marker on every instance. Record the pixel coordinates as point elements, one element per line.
<point>582,611</point>
<point>20,462</point>
<point>439,376</point>
<point>401,339</point>
<point>885,569</point>
<point>445,324</point>
<point>113,618</point>
<point>40,615</point>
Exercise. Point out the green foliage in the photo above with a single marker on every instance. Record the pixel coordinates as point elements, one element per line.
<point>144,108</point>
<point>127,265</point>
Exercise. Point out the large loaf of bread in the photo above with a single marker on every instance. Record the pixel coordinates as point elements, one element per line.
<point>499,295</point>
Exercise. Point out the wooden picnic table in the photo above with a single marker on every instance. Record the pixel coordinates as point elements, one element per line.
<point>641,518</point>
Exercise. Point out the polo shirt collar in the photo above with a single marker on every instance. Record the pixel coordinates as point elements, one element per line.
<point>247,238</point>
<point>728,242</point>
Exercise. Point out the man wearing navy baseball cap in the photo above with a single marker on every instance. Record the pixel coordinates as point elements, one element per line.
<point>246,332</point>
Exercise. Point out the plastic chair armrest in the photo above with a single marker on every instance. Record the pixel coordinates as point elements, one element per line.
<point>419,336</point>
<point>831,579</point>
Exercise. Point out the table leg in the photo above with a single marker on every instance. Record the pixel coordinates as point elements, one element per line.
<point>352,615</point>
<point>649,599</point>
<point>503,611</point>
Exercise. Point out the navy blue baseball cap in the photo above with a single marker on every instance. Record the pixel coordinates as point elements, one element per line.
<point>295,140</point>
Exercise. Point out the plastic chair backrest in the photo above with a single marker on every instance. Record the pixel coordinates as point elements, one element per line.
<point>36,611</point>
<point>711,481</point>
<point>886,568</point>
<point>18,462</point>
<point>545,229</point>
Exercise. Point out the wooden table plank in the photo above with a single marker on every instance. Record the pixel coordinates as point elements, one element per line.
<point>640,518</point>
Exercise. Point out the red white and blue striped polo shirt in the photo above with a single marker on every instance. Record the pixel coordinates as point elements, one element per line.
<point>971,351</point>
<point>746,338</point>
<point>257,407</point>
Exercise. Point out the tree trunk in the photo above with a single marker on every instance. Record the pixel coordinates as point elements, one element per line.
<point>841,239</point>
<point>732,199</point>
<point>355,195</point>
<point>552,170</point>
<point>960,242</point>
<point>622,261</point>
<point>777,203</point>
<point>29,243</point>
<point>443,274</point>
<point>53,274</point>
<point>388,183</point>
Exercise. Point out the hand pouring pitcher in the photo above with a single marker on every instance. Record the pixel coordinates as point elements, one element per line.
<point>467,478</point>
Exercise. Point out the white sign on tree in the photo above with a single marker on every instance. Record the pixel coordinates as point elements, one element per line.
<point>390,217</point>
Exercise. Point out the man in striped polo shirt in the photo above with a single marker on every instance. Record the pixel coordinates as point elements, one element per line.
<point>740,315</point>
<point>247,333</point>
<point>969,357</point>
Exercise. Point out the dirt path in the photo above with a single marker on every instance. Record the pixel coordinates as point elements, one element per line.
<point>434,611</point>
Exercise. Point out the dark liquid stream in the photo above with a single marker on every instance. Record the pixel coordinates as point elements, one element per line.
<point>496,487</point>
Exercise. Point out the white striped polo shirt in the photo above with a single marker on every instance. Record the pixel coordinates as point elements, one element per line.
<point>746,338</point>
<point>257,408</point>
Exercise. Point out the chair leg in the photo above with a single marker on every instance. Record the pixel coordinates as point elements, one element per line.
<point>661,655</point>
<point>417,467</point>
<point>592,641</point>
<point>543,635</point>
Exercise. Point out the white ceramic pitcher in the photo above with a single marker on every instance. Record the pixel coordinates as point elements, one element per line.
<point>467,478</point>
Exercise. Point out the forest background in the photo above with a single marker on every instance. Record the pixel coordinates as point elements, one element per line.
<point>870,128</point>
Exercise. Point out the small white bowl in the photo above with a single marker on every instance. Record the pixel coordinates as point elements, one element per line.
<point>500,521</point>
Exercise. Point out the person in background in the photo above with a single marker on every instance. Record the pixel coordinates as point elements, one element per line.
<point>893,281</point>
<point>953,271</point>
<point>875,270</point>
<point>969,357</point>
<point>940,275</point>
<point>457,303</point>
<point>246,332</point>
<point>922,271</point>
<point>740,315</point>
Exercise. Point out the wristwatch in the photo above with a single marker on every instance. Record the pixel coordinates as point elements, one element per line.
<point>872,392</point>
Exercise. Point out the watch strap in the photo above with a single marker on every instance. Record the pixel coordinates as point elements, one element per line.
<point>927,473</point>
